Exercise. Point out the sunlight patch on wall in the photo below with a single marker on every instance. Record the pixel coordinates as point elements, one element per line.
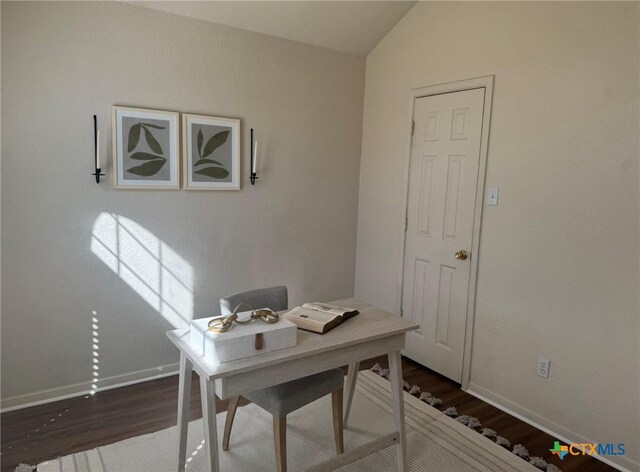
<point>144,262</point>
<point>95,344</point>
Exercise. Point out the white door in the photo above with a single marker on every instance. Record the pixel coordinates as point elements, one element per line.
<point>443,176</point>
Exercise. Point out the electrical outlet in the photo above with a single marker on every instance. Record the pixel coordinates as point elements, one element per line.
<point>543,367</point>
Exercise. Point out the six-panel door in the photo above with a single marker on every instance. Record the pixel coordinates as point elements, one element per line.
<point>443,176</point>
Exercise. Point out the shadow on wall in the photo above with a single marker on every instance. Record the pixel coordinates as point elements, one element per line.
<point>150,267</point>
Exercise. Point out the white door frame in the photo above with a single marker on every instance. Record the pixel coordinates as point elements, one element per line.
<point>485,82</point>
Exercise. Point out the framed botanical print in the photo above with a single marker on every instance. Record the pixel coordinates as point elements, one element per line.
<point>211,150</point>
<point>146,150</point>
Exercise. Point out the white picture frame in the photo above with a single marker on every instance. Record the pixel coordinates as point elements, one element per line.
<point>146,149</point>
<point>211,152</point>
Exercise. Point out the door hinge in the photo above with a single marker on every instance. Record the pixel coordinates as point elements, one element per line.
<point>413,127</point>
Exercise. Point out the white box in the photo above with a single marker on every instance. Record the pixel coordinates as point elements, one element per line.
<point>240,340</point>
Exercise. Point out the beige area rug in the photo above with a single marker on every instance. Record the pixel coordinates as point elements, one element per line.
<point>435,442</point>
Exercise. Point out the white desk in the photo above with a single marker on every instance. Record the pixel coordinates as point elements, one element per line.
<point>372,333</point>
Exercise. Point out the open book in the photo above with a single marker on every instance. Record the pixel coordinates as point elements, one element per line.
<point>319,317</point>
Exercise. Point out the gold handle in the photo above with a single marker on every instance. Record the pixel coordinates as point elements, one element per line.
<point>461,254</point>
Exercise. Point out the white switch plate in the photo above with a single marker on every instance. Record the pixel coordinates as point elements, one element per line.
<point>492,196</point>
<point>543,367</point>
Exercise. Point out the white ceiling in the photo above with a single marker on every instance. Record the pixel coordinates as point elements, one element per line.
<point>349,26</point>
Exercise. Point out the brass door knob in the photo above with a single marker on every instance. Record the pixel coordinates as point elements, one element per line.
<point>461,254</point>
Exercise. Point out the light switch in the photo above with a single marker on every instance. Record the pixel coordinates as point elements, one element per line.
<point>492,196</point>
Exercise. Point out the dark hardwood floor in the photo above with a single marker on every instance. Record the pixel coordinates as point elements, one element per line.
<point>38,433</point>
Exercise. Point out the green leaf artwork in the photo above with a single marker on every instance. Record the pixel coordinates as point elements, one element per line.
<point>215,142</point>
<point>200,139</point>
<point>151,125</point>
<point>151,141</point>
<point>214,172</point>
<point>207,161</point>
<point>134,137</point>
<point>217,170</point>
<point>156,162</point>
<point>148,168</point>
<point>144,156</point>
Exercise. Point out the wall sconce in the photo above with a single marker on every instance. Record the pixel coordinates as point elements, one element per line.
<point>254,160</point>
<point>96,149</point>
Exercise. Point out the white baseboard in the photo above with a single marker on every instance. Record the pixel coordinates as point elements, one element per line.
<point>61,393</point>
<point>549,427</point>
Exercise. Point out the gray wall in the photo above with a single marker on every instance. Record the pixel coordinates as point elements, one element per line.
<point>63,62</point>
<point>559,261</point>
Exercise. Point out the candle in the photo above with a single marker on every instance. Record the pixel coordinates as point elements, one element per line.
<point>98,150</point>
<point>255,156</point>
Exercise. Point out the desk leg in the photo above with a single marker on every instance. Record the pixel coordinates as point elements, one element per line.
<point>184,401</point>
<point>395,367</point>
<point>352,376</point>
<point>207,392</point>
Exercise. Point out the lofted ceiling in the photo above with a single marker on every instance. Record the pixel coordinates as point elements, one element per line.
<point>349,26</point>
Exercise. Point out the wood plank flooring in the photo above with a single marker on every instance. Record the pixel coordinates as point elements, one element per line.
<point>43,432</point>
